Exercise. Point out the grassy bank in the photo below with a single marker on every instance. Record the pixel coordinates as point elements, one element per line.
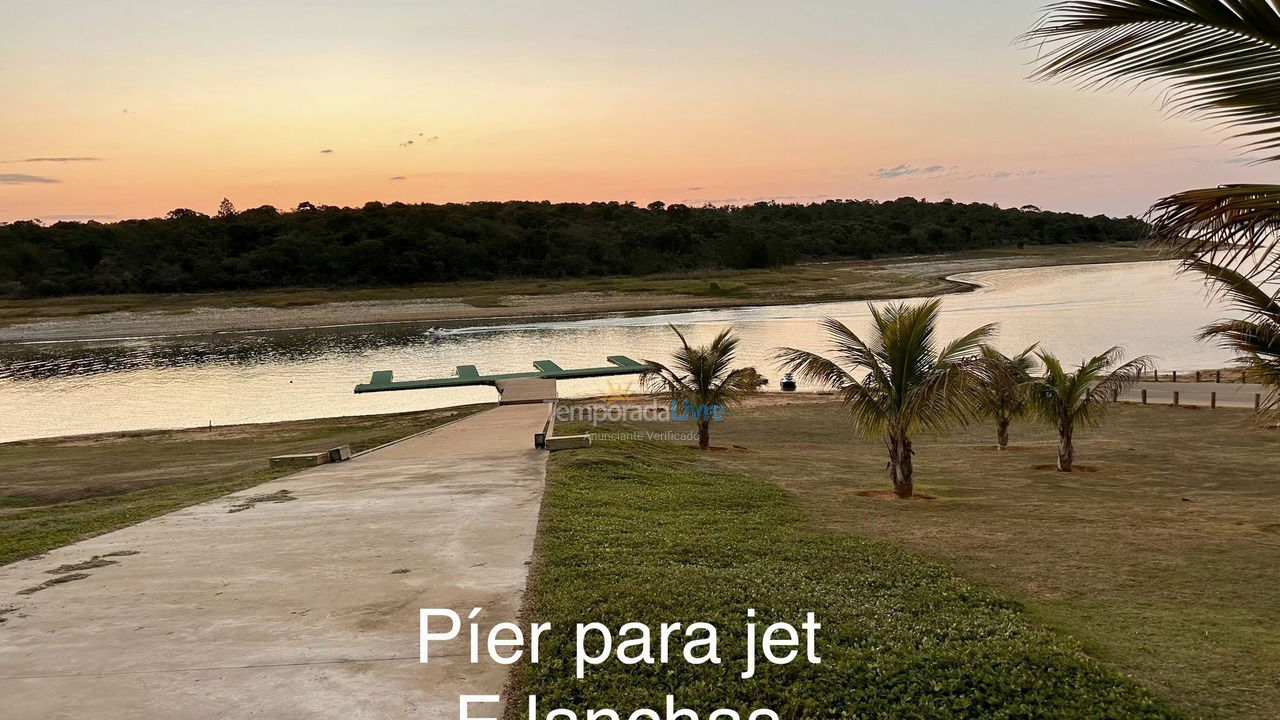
<point>59,491</point>
<point>849,280</point>
<point>645,532</point>
<point>1161,560</point>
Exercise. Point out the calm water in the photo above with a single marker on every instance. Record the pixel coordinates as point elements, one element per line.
<point>62,389</point>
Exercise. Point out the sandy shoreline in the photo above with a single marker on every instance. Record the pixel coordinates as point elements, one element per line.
<point>904,277</point>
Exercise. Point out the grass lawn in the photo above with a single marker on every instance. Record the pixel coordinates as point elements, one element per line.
<point>1164,561</point>
<point>59,491</point>
<point>635,531</point>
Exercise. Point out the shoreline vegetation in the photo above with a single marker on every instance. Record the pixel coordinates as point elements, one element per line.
<point>503,301</point>
<point>399,245</point>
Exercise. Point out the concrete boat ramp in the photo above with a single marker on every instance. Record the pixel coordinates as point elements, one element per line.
<point>302,603</point>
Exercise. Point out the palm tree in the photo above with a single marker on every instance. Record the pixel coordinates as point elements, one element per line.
<point>1256,338</point>
<point>1220,60</point>
<point>1004,396</point>
<point>700,381</point>
<point>899,380</point>
<point>1079,398</point>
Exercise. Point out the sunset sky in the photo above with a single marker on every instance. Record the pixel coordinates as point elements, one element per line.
<point>132,108</point>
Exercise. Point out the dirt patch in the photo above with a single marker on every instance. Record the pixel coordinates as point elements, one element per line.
<point>885,495</point>
<point>280,496</point>
<point>5,610</point>
<point>122,553</point>
<point>1074,468</point>
<point>55,581</point>
<point>96,561</point>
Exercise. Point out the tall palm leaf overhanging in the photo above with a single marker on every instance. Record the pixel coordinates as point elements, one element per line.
<point>1256,337</point>
<point>1218,60</point>
<point>898,380</point>
<point>701,378</point>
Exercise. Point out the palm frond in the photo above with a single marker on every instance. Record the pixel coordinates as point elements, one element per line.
<point>660,378</point>
<point>1246,337</point>
<point>1003,392</point>
<point>869,409</point>
<point>1024,363</point>
<point>701,375</point>
<point>1051,397</point>
<point>813,368</point>
<point>1109,387</point>
<point>1220,59</point>
<point>734,389</point>
<point>1243,294</point>
<point>854,351</point>
<point>1257,346</point>
<point>968,344</point>
<point>1235,227</point>
<point>1081,396</point>
<point>1254,338</point>
<point>896,378</point>
<point>947,397</point>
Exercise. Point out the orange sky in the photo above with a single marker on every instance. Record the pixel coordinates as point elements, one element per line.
<point>133,108</point>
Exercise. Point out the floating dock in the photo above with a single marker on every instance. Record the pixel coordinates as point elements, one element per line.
<point>469,376</point>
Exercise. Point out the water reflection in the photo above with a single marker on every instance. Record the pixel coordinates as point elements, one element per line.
<point>38,361</point>
<point>60,389</point>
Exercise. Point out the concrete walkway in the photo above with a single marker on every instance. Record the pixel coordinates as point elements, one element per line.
<point>1230,395</point>
<point>296,609</point>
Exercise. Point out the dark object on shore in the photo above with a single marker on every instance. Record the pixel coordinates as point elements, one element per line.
<point>788,383</point>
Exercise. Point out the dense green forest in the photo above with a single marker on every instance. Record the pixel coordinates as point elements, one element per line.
<point>399,244</point>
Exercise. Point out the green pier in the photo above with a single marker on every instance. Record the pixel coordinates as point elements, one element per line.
<point>383,380</point>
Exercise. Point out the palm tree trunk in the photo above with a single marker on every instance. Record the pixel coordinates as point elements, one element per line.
<point>1002,434</point>
<point>704,435</point>
<point>900,468</point>
<point>1066,450</point>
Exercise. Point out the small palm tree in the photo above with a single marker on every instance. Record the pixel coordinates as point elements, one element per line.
<point>1003,397</point>
<point>701,380</point>
<point>1080,397</point>
<point>899,380</point>
<point>1256,337</point>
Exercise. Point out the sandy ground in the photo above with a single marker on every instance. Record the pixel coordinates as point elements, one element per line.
<point>302,604</point>
<point>905,277</point>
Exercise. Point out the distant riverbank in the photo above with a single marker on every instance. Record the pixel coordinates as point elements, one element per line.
<point>62,388</point>
<point>459,304</point>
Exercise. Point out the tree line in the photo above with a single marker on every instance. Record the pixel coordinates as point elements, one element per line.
<point>399,244</point>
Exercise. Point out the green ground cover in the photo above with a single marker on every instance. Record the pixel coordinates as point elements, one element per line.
<point>636,531</point>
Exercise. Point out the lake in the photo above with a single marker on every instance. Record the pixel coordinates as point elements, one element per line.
<point>56,389</point>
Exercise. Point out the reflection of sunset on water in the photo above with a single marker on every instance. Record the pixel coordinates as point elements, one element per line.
<point>71,389</point>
